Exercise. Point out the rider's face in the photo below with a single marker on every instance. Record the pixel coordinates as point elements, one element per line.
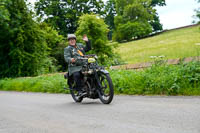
<point>72,42</point>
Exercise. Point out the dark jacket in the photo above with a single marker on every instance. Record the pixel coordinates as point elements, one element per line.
<point>71,52</point>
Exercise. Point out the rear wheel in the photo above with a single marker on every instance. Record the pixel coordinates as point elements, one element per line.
<point>106,93</point>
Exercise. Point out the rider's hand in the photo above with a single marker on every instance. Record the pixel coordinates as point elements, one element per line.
<point>85,38</point>
<point>73,60</point>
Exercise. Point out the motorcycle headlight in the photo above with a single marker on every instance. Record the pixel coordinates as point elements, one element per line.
<point>91,60</point>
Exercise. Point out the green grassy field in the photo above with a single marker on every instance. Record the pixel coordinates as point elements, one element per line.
<point>172,44</point>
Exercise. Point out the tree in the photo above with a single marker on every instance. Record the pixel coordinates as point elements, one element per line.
<point>63,15</point>
<point>140,14</point>
<point>158,3</point>
<point>110,11</point>
<point>133,29</point>
<point>4,17</point>
<point>132,16</point>
<point>197,16</point>
<point>56,43</point>
<point>23,50</point>
<point>155,23</point>
<point>95,28</point>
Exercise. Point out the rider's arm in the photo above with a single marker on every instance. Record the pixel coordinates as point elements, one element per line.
<point>67,55</point>
<point>88,46</point>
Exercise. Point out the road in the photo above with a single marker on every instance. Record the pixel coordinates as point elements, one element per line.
<point>57,113</point>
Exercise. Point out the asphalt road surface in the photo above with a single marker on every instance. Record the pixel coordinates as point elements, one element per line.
<point>57,113</point>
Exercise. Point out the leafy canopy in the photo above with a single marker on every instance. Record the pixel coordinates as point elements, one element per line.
<point>96,30</point>
<point>132,15</point>
<point>197,15</point>
<point>63,15</point>
<point>24,47</point>
<point>138,17</point>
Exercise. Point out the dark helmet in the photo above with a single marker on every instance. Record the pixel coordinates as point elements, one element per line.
<point>71,36</point>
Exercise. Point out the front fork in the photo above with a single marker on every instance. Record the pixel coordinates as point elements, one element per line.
<point>99,86</point>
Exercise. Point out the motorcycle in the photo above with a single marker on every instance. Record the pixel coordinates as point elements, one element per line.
<point>96,80</point>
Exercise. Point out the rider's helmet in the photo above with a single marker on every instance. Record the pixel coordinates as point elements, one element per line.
<point>71,36</point>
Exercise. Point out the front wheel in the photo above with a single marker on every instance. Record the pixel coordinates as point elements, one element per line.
<point>106,92</point>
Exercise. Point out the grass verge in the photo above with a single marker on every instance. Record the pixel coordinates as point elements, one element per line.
<point>162,79</point>
<point>47,83</point>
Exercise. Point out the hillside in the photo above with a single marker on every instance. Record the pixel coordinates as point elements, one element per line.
<point>172,44</point>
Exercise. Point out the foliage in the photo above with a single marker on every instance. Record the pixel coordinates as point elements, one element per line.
<point>63,15</point>
<point>155,23</point>
<point>181,79</point>
<point>136,12</point>
<point>45,83</point>
<point>110,10</point>
<point>131,14</point>
<point>95,28</point>
<point>132,29</point>
<point>4,13</point>
<point>158,3</point>
<point>56,43</point>
<point>23,50</point>
<point>197,13</point>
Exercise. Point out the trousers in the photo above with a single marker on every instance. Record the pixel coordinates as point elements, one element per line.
<point>78,78</point>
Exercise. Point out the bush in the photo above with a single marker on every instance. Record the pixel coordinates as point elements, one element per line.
<point>96,30</point>
<point>181,79</point>
<point>56,44</point>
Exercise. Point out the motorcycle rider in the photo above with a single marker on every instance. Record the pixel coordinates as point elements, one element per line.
<point>71,53</point>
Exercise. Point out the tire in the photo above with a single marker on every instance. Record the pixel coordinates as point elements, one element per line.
<point>107,87</point>
<point>74,94</point>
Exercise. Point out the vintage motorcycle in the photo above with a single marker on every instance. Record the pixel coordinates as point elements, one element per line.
<point>97,81</point>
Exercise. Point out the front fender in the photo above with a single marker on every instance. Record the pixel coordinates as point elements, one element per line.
<point>104,71</point>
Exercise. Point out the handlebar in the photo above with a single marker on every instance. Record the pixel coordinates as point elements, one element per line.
<point>90,55</point>
<point>81,58</point>
<point>86,57</point>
